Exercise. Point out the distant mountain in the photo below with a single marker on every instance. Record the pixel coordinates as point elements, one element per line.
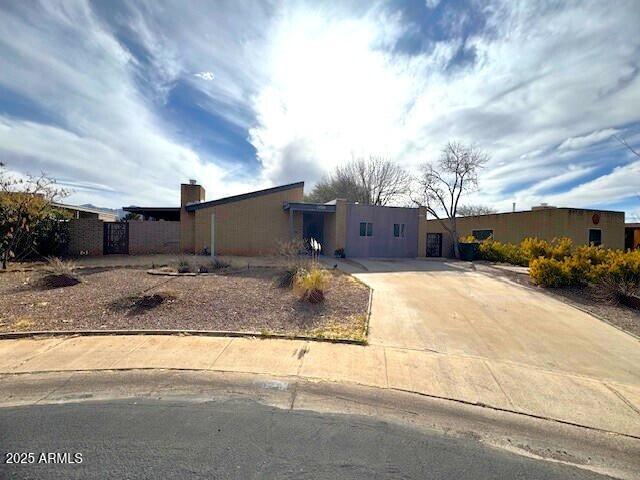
<point>118,211</point>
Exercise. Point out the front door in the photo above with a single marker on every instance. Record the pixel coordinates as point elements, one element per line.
<point>434,244</point>
<point>116,238</point>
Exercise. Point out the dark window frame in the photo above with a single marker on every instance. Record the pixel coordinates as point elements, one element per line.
<point>366,229</point>
<point>490,230</point>
<point>399,230</point>
<point>599,241</point>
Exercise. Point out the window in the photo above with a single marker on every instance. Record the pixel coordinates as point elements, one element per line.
<point>366,229</point>
<point>595,237</point>
<point>482,234</point>
<point>398,230</point>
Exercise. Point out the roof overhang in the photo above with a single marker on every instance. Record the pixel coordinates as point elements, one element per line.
<point>309,207</point>
<point>192,207</point>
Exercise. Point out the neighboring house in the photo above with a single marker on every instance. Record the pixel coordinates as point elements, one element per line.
<point>582,226</point>
<point>631,236</point>
<point>87,212</point>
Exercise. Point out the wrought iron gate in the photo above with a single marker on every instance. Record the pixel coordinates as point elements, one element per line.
<point>116,237</point>
<point>434,244</point>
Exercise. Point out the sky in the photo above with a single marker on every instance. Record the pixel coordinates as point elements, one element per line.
<point>121,101</point>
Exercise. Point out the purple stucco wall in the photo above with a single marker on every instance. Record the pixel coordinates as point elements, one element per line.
<point>382,243</point>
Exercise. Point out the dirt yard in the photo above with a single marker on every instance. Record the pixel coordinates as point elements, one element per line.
<point>124,298</point>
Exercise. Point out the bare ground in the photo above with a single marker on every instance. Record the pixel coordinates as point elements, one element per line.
<point>126,298</point>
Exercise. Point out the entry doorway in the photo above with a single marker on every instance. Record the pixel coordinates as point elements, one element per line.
<point>313,227</point>
<point>434,244</point>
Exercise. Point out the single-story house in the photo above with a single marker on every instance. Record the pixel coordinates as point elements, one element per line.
<point>256,223</point>
<point>582,226</point>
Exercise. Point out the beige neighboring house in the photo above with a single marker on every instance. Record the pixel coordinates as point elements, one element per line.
<point>86,212</point>
<point>582,226</point>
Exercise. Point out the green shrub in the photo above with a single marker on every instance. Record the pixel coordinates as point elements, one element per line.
<point>311,284</point>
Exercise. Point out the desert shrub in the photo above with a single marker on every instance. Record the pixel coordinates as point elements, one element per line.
<point>535,247</point>
<point>58,274</point>
<point>560,248</point>
<point>467,239</point>
<point>502,252</point>
<point>213,265</point>
<point>290,249</point>
<point>339,253</point>
<point>549,272</point>
<point>183,266</point>
<point>311,284</point>
<point>286,277</point>
<point>617,279</point>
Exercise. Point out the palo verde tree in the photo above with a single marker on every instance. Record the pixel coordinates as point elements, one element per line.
<point>27,216</point>
<point>371,181</point>
<point>441,185</point>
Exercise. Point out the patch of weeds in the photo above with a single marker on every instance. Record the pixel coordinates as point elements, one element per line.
<point>58,274</point>
<point>353,329</point>
<point>23,323</point>
<point>213,266</point>
<point>139,304</point>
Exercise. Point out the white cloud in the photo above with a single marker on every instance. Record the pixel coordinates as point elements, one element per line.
<point>578,143</point>
<point>431,4</point>
<point>204,75</point>
<point>315,84</point>
<point>541,76</point>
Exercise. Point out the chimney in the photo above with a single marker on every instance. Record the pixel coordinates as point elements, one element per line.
<point>191,193</point>
<point>514,206</point>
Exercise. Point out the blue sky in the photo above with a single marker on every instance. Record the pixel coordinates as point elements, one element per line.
<point>121,101</point>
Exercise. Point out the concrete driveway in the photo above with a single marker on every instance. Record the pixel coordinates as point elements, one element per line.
<point>449,308</point>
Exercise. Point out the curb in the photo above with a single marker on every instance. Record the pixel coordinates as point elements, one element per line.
<point>202,333</point>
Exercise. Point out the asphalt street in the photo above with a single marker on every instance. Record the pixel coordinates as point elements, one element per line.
<point>151,439</point>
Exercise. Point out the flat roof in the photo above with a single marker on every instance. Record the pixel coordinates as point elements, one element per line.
<point>537,210</point>
<point>310,207</point>
<point>191,207</point>
<point>151,209</point>
<point>82,209</point>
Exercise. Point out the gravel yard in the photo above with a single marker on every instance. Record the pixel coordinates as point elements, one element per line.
<point>125,298</point>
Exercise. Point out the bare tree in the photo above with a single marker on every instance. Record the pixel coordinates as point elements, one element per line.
<point>471,210</point>
<point>372,181</point>
<point>629,147</point>
<point>440,187</point>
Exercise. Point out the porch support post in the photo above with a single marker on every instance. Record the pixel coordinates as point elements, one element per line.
<point>290,224</point>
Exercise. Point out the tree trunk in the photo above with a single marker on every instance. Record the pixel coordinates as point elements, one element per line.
<point>4,260</point>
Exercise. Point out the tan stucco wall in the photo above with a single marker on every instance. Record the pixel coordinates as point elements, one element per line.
<point>329,234</point>
<point>86,236</point>
<point>545,224</point>
<point>422,232</point>
<point>253,226</point>
<point>153,237</point>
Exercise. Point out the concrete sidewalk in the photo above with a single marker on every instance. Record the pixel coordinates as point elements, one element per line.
<point>575,399</point>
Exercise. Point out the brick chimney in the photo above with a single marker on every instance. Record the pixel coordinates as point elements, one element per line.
<point>189,193</point>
